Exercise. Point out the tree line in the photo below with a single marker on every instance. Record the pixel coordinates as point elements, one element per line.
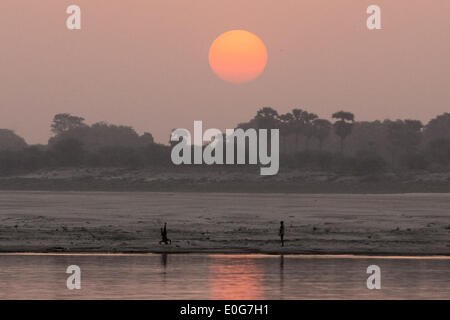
<point>307,142</point>
<point>345,144</point>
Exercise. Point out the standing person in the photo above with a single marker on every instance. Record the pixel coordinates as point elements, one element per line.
<point>281,233</point>
<point>164,238</point>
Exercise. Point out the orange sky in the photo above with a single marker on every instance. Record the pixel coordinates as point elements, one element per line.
<point>145,63</point>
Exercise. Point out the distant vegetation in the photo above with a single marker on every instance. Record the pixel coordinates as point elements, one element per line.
<point>11,141</point>
<point>307,142</point>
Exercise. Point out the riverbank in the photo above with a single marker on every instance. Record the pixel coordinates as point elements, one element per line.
<point>129,222</point>
<point>200,179</point>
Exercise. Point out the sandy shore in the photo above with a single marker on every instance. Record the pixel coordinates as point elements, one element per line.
<point>406,224</point>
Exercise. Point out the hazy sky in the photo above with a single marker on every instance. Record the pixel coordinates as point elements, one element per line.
<point>145,63</point>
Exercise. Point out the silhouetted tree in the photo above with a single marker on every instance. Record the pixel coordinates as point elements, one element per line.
<point>285,122</point>
<point>368,145</point>
<point>404,137</point>
<point>146,139</point>
<point>297,124</point>
<point>343,125</point>
<point>369,137</point>
<point>321,130</point>
<point>267,118</point>
<point>67,152</point>
<point>11,141</point>
<point>102,134</point>
<point>64,122</point>
<point>34,157</point>
<point>439,151</point>
<point>308,129</point>
<point>438,128</point>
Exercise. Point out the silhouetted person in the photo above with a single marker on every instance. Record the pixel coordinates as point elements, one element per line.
<point>281,233</point>
<point>164,238</point>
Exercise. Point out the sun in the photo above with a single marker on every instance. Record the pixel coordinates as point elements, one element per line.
<point>238,56</point>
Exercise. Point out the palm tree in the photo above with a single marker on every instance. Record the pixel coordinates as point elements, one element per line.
<point>344,125</point>
<point>321,130</point>
<point>297,124</point>
<point>267,118</point>
<point>308,130</point>
<point>285,121</point>
<point>302,124</point>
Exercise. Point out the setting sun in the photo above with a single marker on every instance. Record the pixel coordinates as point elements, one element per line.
<point>238,56</point>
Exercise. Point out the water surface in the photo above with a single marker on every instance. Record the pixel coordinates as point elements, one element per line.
<point>202,276</point>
